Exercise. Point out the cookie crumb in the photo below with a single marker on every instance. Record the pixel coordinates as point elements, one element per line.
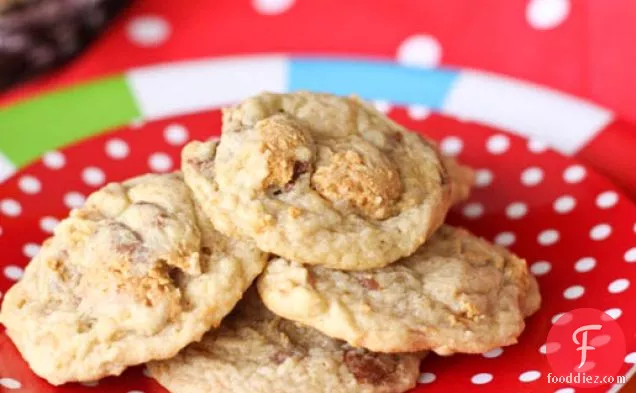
<point>295,212</point>
<point>370,188</point>
<point>286,145</point>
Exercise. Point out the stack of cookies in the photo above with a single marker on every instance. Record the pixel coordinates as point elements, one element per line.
<point>338,214</point>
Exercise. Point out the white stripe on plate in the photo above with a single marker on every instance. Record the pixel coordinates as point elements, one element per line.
<point>175,89</point>
<point>6,168</point>
<point>564,122</point>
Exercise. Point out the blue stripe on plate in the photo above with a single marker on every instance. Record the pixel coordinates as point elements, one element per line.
<point>376,80</point>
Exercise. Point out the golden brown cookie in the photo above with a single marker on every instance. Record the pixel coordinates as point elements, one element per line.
<point>322,179</point>
<point>456,293</point>
<point>136,274</point>
<point>255,351</point>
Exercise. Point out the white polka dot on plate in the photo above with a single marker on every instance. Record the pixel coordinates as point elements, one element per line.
<point>93,176</point>
<point>574,292</point>
<point>547,14</point>
<point>493,353</point>
<point>10,383</point>
<point>618,286</point>
<point>483,177</point>
<point>148,31</point>
<point>48,224</point>
<point>574,174</point>
<point>540,268</point>
<point>548,237</point>
<point>532,176</point>
<point>420,50</point>
<point>382,106</point>
<point>615,313</point>
<point>13,272</point>
<point>74,199</point>
<point>537,146</point>
<point>497,144</point>
<point>473,210</point>
<point>565,390</point>
<point>135,391</point>
<point>117,149</point>
<point>175,134</point>
<point>481,378</point>
<point>564,204</point>
<point>505,239</point>
<point>30,250</point>
<point>630,255</point>
<point>451,146</point>
<point>549,348</point>
<point>54,160</point>
<point>427,378</point>
<point>600,231</point>
<point>160,162</point>
<point>272,7</point>
<point>529,376</point>
<point>418,112</point>
<point>631,358</point>
<point>516,210</point>
<point>561,318</point>
<point>10,207</point>
<point>585,264</point>
<point>606,199</point>
<point>29,184</point>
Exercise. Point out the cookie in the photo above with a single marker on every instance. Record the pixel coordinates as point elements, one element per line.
<point>321,179</point>
<point>461,177</point>
<point>457,293</point>
<point>136,274</point>
<point>257,352</point>
<point>36,35</point>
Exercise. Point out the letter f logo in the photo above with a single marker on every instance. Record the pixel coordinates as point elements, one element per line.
<point>584,347</point>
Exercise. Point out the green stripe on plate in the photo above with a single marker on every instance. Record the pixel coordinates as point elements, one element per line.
<point>31,128</point>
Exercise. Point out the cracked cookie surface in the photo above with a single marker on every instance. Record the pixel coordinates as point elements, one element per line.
<point>134,275</point>
<point>456,293</point>
<point>255,351</point>
<point>322,179</point>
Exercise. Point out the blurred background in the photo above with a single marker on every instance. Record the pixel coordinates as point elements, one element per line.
<point>583,47</point>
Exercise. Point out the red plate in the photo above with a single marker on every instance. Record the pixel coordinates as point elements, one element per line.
<point>576,230</point>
